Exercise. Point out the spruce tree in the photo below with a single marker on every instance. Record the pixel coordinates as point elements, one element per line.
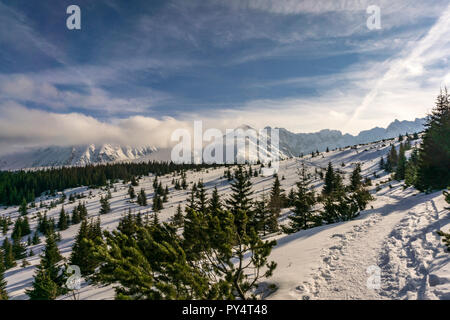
<point>63,223</point>
<point>87,238</point>
<point>328,187</point>
<point>178,218</point>
<point>401,164</point>
<point>434,155</point>
<point>264,220</point>
<point>355,178</point>
<point>23,210</point>
<point>142,198</point>
<point>446,236</point>
<point>3,292</point>
<point>276,202</point>
<point>241,192</point>
<point>47,283</point>
<point>9,261</point>
<point>131,192</point>
<point>303,212</point>
<point>214,204</point>
<point>104,206</point>
<point>43,288</point>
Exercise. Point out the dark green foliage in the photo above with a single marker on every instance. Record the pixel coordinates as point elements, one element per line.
<point>332,182</point>
<point>276,202</point>
<point>131,192</point>
<point>63,222</point>
<point>21,228</point>
<point>215,204</point>
<point>48,280</point>
<point>104,206</point>
<point>434,155</point>
<point>264,221</point>
<point>89,235</point>
<point>18,185</point>
<point>304,200</point>
<point>241,192</point>
<point>142,198</point>
<point>355,178</point>
<point>23,210</point>
<point>446,236</point>
<point>3,292</point>
<point>178,218</point>
<point>401,164</point>
<point>8,255</point>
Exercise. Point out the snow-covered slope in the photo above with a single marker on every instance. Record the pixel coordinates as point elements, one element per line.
<point>72,156</point>
<point>397,234</point>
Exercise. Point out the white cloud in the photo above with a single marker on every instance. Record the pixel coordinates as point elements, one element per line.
<point>21,126</point>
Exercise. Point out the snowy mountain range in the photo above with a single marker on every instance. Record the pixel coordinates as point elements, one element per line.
<point>73,156</point>
<point>291,144</point>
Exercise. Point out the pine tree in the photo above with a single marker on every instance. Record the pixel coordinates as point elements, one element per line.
<point>23,210</point>
<point>19,249</point>
<point>241,192</point>
<point>401,164</point>
<point>134,182</point>
<point>142,198</point>
<point>44,288</point>
<point>82,254</point>
<point>276,202</point>
<point>104,206</point>
<point>393,159</point>
<point>3,292</point>
<point>303,212</point>
<point>178,218</point>
<point>47,284</point>
<point>328,187</point>
<point>35,239</point>
<point>63,223</point>
<point>264,221</point>
<point>355,178</point>
<point>382,164</point>
<point>446,236</point>
<point>215,204</point>
<point>9,261</point>
<point>434,155</point>
<point>200,195</point>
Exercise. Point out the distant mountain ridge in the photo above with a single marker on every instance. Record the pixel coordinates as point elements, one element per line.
<point>80,155</point>
<point>291,144</point>
<point>294,144</point>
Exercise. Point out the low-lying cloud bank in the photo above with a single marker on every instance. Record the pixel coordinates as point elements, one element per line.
<point>24,127</point>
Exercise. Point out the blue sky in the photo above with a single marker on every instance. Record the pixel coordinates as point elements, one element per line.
<point>137,67</point>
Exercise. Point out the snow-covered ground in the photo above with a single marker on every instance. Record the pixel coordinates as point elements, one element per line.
<point>397,234</point>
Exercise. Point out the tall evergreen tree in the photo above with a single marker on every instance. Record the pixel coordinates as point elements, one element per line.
<point>104,206</point>
<point>178,218</point>
<point>63,223</point>
<point>355,178</point>
<point>131,192</point>
<point>87,238</point>
<point>401,164</point>
<point>434,155</point>
<point>9,261</point>
<point>276,201</point>
<point>23,209</point>
<point>303,212</point>
<point>241,192</point>
<point>47,284</point>
<point>215,204</point>
<point>328,187</point>
<point>3,292</point>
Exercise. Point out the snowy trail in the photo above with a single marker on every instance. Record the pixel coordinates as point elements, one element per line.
<point>399,237</point>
